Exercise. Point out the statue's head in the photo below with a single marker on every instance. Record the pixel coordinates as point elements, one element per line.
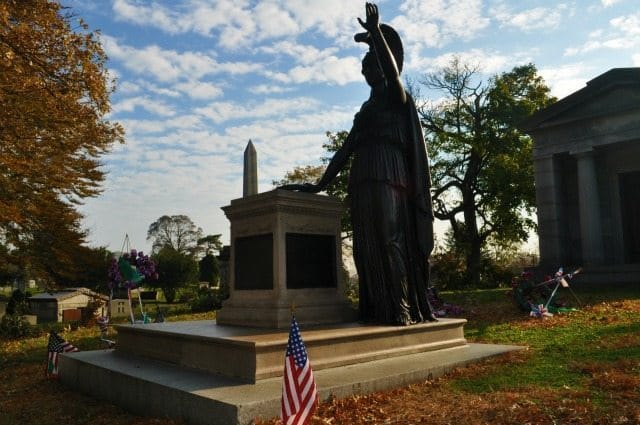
<point>393,41</point>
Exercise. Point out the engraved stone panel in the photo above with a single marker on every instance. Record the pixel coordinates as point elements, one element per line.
<point>311,261</point>
<point>254,262</point>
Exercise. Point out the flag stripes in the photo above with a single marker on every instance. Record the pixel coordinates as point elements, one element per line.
<point>56,346</point>
<point>299,392</point>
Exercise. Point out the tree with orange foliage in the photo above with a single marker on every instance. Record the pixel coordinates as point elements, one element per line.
<point>54,97</point>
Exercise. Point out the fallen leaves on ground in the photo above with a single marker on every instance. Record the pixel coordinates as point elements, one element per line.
<point>611,394</point>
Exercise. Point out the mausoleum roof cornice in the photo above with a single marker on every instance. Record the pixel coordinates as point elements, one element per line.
<point>594,87</point>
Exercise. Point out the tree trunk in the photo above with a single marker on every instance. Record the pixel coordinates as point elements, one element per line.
<point>473,242</point>
<point>473,261</point>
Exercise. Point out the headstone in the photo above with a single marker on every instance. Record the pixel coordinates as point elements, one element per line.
<point>31,319</point>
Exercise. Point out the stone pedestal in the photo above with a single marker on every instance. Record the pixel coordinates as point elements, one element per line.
<point>285,252</point>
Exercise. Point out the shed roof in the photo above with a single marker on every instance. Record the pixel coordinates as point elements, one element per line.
<point>65,294</point>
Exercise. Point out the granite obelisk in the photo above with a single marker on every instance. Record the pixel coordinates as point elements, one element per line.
<point>250,173</point>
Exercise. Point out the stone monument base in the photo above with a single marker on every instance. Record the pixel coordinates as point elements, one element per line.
<point>204,373</point>
<point>312,306</point>
<point>251,354</point>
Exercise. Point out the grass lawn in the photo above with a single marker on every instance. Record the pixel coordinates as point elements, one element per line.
<point>581,367</point>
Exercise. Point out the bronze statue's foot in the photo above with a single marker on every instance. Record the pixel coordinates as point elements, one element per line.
<point>432,318</point>
<point>404,320</point>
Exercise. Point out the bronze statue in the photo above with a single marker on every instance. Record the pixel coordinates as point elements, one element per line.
<point>388,188</point>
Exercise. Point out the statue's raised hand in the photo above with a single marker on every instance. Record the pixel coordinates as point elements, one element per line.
<point>373,17</point>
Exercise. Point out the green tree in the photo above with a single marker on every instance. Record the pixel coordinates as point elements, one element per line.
<point>313,173</point>
<point>209,269</point>
<point>177,232</point>
<point>94,262</point>
<point>300,175</point>
<point>210,244</point>
<point>481,165</point>
<point>51,251</point>
<point>175,270</point>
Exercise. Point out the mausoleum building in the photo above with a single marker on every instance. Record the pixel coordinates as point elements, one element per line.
<point>587,175</point>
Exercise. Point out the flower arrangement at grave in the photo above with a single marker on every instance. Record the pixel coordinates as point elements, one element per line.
<point>440,307</point>
<point>539,299</point>
<point>127,272</point>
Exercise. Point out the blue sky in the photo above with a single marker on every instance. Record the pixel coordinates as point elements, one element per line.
<point>196,79</point>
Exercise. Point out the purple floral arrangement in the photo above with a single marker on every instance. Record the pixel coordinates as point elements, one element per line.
<point>440,307</point>
<point>130,269</point>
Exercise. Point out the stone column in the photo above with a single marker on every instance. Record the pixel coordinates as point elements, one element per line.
<point>550,210</point>
<point>589,200</point>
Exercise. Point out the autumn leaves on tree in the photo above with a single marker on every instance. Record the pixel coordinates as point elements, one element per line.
<point>54,96</point>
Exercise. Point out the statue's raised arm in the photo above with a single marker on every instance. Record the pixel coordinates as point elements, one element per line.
<point>377,40</point>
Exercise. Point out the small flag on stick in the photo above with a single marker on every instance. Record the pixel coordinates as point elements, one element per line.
<point>56,346</point>
<point>103,323</point>
<point>299,393</point>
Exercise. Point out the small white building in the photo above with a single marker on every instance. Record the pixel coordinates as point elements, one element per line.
<point>120,308</point>
<point>65,305</point>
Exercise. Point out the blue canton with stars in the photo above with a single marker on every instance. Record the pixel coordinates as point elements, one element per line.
<point>296,347</point>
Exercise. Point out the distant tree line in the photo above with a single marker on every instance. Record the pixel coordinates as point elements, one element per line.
<point>182,254</point>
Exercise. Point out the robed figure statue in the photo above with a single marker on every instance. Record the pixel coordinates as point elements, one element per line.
<point>388,189</point>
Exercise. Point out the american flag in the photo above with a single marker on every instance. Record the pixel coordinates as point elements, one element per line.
<point>103,323</point>
<point>299,393</point>
<point>56,345</point>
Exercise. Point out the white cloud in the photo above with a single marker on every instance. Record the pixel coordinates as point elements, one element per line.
<point>274,21</point>
<point>302,53</point>
<point>199,89</point>
<point>439,22</point>
<point>534,19</point>
<point>636,59</point>
<point>313,65</point>
<point>128,87</point>
<point>269,89</point>
<point>146,126</point>
<point>152,106</point>
<point>628,25</point>
<point>331,70</point>
<point>488,62</point>
<point>153,14</point>
<point>220,112</point>
<point>608,3</point>
<point>170,65</point>
<point>566,79</point>
<point>624,33</point>
<point>155,88</point>
<point>240,23</point>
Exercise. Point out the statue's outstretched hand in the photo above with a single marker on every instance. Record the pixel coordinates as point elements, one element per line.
<point>373,17</point>
<point>306,187</point>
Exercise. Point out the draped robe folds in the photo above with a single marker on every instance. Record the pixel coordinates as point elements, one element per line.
<point>391,213</point>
